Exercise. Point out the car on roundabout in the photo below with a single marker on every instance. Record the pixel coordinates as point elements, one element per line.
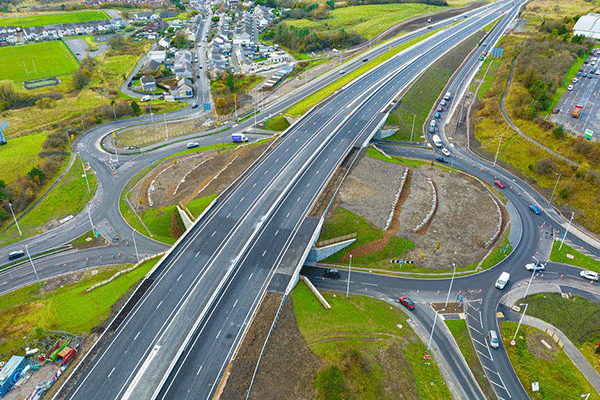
<point>591,275</point>
<point>406,302</point>
<point>535,209</point>
<point>535,266</point>
<point>499,183</point>
<point>331,273</point>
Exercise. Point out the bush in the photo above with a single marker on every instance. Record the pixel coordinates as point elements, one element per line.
<point>80,79</point>
<point>545,166</point>
<point>582,146</point>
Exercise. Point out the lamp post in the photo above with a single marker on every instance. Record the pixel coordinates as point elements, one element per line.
<point>32,265</point>
<point>433,327</point>
<point>348,283</point>
<point>16,223</point>
<point>450,288</point>
<point>566,231</point>
<point>85,174</point>
<point>553,190</point>
<point>531,279</point>
<point>90,214</point>
<point>135,246</point>
<point>497,151</point>
<point>512,342</point>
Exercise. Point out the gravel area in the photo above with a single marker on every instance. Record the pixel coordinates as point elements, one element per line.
<point>370,190</point>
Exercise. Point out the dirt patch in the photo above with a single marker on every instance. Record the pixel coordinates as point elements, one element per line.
<point>538,349</point>
<point>187,177</point>
<point>287,368</point>
<point>62,280</point>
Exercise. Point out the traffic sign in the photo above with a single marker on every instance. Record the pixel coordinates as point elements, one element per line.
<point>588,134</point>
<point>96,232</point>
<point>512,343</point>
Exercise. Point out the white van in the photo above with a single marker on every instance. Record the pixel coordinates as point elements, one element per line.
<point>493,340</point>
<point>502,280</point>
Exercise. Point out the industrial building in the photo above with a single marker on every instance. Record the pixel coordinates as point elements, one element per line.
<point>588,26</point>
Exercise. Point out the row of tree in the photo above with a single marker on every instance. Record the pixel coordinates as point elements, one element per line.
<point>304,40</point>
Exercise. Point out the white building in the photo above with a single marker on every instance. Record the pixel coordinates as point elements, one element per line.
<point>158,56</point>
<point>588,26</point>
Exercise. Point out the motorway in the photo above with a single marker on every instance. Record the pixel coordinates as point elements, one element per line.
<point>180,301</point>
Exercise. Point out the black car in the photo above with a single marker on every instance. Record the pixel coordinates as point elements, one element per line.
<point>195,105</point>
<point>331,273</point>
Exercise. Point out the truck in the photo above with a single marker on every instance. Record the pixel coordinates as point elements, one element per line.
<point>577,111</point>
<point>437,141</point>
<point>239,138</point>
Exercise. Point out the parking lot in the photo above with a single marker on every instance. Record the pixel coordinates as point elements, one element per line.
<point>585,92</point>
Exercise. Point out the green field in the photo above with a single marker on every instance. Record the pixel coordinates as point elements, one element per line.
<point>25,149</point>
<point>578,259</point>
<point>367,349</point>
<point>41,60</point>
<point>368,21</point>
<point>26,21</point>
<point>67,198</point>
<point>68,308</point>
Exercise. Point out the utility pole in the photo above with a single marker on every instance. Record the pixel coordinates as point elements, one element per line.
<point>512,342</point>
<point>90,214</point>
<point>32,265</point>
<point>531,279</point>
<point>555,185</point>
<point>235,105</point>
<point>16,223</point>
<point>82,125</point>
<point>135,246</point>
<point>497,151</point>
<point>85,174</point>
<point>348,283</point>
<point>69,139</point>
<point>565,235</point>
<point>166,129</point>
<point>450,288</point>
<point>433,327</point>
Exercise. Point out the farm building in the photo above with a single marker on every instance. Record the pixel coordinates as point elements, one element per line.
<point>588,26</point>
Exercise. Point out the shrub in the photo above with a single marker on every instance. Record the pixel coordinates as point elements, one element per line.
<point>545,166</point>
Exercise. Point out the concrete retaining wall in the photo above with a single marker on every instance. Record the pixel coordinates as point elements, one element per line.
<point>320,253</point>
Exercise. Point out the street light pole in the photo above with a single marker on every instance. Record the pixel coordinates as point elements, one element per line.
<point>520,320</point>
<point>530,280</point>
<point>433,327</point>
<point>90,214</point>
<point>497,151</point>
<point>565,235</point>
<point>166,129</point>
<point>450,288</point>
<point>135,246</point>
<point>555,185</point>
<point>16,223</point>
<point>85,174</point>
<point>349,271</point>
<point>32,265</point>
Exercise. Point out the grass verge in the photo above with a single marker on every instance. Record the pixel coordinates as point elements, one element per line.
<point>69,197</point>
<point>365,353</point>
<point>558,377</point>
<point>197,206</point>
<point>579,259</point>
<point>578,318</point>
<point>303,105</point>
<point>458,328</point>
<point>68,308</point>
<point>420,98</point>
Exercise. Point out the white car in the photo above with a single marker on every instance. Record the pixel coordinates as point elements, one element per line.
<point>591,275</point>
<point>575,80</point>
<point>536,267</point>
<point>570,87</point>
<point>446,152</point>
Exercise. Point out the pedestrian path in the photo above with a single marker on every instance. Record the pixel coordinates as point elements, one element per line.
<point>569,348</point>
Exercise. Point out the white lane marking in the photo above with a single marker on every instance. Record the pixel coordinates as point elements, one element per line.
<point>254,185</point>
<point>196,254</point>
<point>234,304</point>
<point>288,215</point>
<point>199,369</point>
<point>250,277</point>
<point>213,234</point>
<point>276,232</point>
<point>482,355</point>
<point>505,388</point>
<point>276,160</point>
<point>298,199</point>
<point>111,371</point>
<point>242,199</point>
<point>478,342</point>
<point>159,304</point>
<point>218,335</point>
<point>264,252</point>
<point>227,215</point>
<point>179,277</point>
<point>367,283</point>
<point>308,184</point>
<point>136,336</point>
<point>481,333</point>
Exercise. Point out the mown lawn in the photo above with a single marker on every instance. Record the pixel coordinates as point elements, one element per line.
<point>558,377</point>
<point>36,60</point>
<point>579,259</point>
<point>25,149</point>
<point>69,308</point>
<point>363,349</point>
<point>197,206</point>
<point>27,21</point>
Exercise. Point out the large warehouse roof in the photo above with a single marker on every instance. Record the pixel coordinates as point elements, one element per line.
<point>588,26</point>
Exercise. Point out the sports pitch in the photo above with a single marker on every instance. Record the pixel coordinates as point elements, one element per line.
<point>26,21</point>
<point>36,60</point>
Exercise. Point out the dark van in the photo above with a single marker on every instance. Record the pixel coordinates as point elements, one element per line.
<point>16,254</point>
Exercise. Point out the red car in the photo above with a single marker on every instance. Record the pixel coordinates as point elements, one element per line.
<point>580,69</point>
<point>499,183</point>
<point>439,109</point>
<point>556,111</point>
<point>406,302</point>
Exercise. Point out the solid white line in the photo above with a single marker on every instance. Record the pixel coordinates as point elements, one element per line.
<point>136,336</point>
<point>481,333</point>
<point>159,304</point>
<point>505,388</point>
<point>199,369</point>
<point>478,342</point>
<point>497,384</point>
<point>483,355</point>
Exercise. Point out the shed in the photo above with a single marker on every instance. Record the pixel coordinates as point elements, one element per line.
<point>11,373</point>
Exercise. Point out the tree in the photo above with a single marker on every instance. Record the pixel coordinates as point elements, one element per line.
<point>230,82</point>
<point>80,80</point>
<point>136,108</point>
<point>116,41</point>
<point>330,4</point>
<point>36,175</point>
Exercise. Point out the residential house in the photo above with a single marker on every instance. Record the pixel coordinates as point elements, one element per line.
<point>167,14</point>
<point>154,25</point>
<point>184,88</point>
<point>148,83</point>
<point>143,16</point>
<point>150,66</point>
<point>159,56</point>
